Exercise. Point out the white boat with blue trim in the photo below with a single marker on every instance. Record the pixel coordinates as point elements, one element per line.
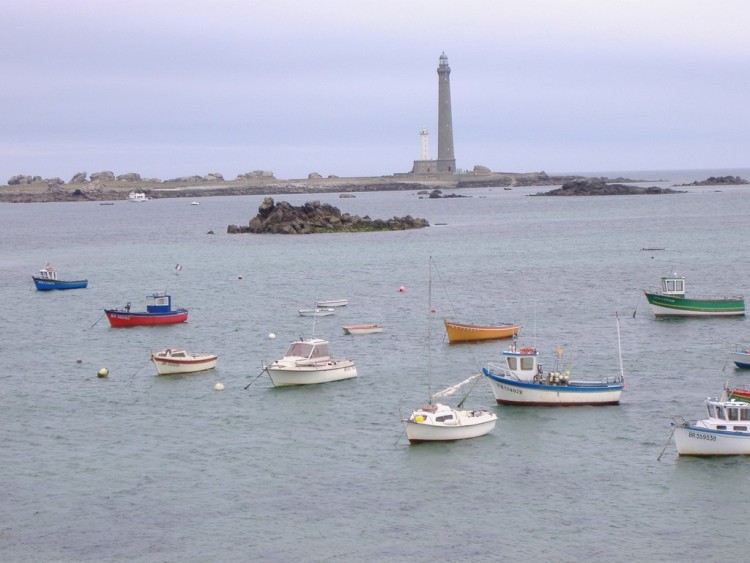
<point>520,380</point>
<point>741,357</point>
<point>726,431</point>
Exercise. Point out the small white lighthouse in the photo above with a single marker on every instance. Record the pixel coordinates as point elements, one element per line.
<point>423,136</point>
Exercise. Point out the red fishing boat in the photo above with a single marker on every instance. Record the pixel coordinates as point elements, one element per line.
<point>158,312</point>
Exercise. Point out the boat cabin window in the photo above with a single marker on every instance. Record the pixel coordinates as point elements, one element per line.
<point>720,413</point>
<point>673,285</point>
<point>527,363</point>
<point>732,413</point>
<point>512,363</point>
<point>721,427</point>
<point>740,428</point>
<point>744,414</point>
<point>444,417</point>
<point>711,411</point>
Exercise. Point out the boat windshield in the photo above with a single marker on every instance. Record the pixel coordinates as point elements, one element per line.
<point>306,350</point>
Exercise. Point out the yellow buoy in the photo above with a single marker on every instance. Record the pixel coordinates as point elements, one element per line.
<point>104,372</point>
<point>419,418</point>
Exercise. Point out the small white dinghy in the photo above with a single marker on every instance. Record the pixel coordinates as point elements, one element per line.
<point>331,303</point>
<point>170,361</point>
<point>368,328</point>
<point>315,312</point>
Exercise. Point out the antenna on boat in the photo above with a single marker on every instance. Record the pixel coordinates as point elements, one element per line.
<point>619,344</point>
<point>314,319</point>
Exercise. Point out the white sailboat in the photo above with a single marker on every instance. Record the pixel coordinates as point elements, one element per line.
<point>437,422</point>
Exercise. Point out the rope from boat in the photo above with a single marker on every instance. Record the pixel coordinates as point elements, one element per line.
<point>668,440</point>
<point>256,377</point>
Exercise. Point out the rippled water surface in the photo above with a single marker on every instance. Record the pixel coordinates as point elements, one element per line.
<point>143,468</point>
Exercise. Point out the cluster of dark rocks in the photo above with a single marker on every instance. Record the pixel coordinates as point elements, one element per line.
<point>314,217</point>
<point>598,186</point>
<point>719,181</point>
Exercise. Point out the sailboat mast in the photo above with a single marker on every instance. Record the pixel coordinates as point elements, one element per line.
<point>619,344</point>
<point>429,334</point>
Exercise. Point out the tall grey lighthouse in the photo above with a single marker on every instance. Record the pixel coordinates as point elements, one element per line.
<point>446,160</point>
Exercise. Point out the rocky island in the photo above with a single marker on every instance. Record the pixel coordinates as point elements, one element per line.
<point>598,186</point>
<point>719,181</point>
<point>314,217</point>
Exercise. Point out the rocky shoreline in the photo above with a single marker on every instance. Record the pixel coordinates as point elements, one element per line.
<point>107,187</point>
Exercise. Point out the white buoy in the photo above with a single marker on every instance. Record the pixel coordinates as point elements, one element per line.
<point>271,335</point>
<point>104,372</point>
<point>219,387</point>
<point>401,289</point>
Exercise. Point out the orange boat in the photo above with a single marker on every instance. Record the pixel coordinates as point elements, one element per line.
<point>458,332</point>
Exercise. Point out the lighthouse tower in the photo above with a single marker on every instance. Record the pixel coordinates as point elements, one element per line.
<point>446,160</point>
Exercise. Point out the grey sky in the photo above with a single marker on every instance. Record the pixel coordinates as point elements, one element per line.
<point>175,88</point>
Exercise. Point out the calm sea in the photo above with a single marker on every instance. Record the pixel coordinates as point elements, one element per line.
<point>137,467</point>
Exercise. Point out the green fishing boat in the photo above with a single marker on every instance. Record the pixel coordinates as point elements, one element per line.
<point>670,301</point>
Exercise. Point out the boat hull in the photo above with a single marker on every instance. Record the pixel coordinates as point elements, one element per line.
<point>458,332</point>
<point>335,370</point>
<point>697,441</point>
<point>671,306</point>
<point>172,366</point>
<point>418,433</point>
<point>315,312</point>
<point>509,391</point>
<point>48,285</point>
<point>362,329</point>
<point>119,318</point>
<point>332,303</point>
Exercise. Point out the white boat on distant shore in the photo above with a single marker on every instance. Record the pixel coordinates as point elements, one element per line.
<point>137,197</point>
<point>368,328</point>
<point>174,360</point>
<point>315,312</point>
<point>308,361</point>
<point>331,303</point>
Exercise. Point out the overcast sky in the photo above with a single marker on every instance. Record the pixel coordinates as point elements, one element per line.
<point>341,87</point>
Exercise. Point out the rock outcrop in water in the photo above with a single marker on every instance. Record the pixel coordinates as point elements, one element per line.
<point>719,181</point>
<point>314,217</point>
<point>596,186</point>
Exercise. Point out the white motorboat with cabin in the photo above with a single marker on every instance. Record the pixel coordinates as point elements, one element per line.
<point>726,431</point>
<point>308,361</point>
<point>137,197</point>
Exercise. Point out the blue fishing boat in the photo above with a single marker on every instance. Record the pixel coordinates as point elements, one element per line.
<point>47,280</point>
